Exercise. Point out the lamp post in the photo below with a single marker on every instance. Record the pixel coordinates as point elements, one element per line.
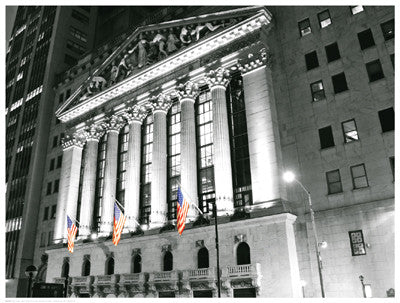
<point>30,272</point>
<point>290,177</point>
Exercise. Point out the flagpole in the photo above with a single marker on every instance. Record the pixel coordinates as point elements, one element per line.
<point>74,220</point>
<point>217,247</point>
<point>190,198</point>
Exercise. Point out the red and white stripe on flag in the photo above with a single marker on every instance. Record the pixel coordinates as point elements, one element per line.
<point>119,221</point>
<point>182,210</point>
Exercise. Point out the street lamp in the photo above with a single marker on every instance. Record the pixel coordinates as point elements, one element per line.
<point>30,272</point>
<point>290,177</point>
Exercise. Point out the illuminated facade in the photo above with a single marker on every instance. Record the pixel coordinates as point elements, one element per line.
<point>223,104</point>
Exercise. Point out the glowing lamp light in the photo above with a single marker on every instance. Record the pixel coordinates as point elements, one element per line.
<point>93,236</point>
<point>323,244</point>
<point>288,177</point>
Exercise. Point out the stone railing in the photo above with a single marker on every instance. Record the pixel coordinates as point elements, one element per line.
<point>130,284</point>
<point>163,281</point>
<point>242,270</point>
<point>241,276</point>
<point>59,280</point>
<point>199,279</point>
<point>130,278</point>
<point>201,273</point>
<point>106,279</point>
<point>164,276</point>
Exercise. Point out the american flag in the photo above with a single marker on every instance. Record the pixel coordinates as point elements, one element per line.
<point>119,221</point>
<point>182,210</point>
<point>72,230</point>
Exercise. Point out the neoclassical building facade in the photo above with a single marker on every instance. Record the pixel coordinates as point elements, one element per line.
<point>190,103</point>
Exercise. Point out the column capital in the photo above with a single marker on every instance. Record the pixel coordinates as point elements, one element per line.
<point>135,113</point>
<point>218,78</point>
<point>76,139</point>
<point>161,102</point>
<point>188,91</point>
<point>93,132</point>
<point>113,123</point>
<point>255,60</point>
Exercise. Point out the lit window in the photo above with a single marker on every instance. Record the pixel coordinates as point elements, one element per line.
<point>334,182</point>
<point>20,76</point>
<point>350,131</point>
<point>311,60</point>
<point>339,83</point>
<point>386,117</point>
<point>356,9</point>
<point>388,29</point>
<point>359,176</point>
<point>305,27</point>
<point>357,243</point>
<point>366,39</point>
<point>332,52</point>
<point>324,18</point>
<point>374,70</point>
<point>317,91</point>
<point>326,137</point>
<point>122,159</point>
<point>147,150</point>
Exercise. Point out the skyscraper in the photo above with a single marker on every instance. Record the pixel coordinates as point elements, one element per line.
<point>44,41</point>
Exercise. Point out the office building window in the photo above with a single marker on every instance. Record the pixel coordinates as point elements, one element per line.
<point>359,176</point>
<point>324,18</point>
<point>68,93</point>
<point>174,157</point>
<point>205,149</point>
<point>56,185</point>
<point>350,133</point>
<point>78,34</point>
<point>391,160</point>
<point>61,98</point>
<point>339,83</point>
<point>317,91</point>
<point>366,39</point>
<point>75,47</point>
<point>51,164</point>
<point>334,182</point>
<point>53,211</point>
<point>304,27</point>
<point>332,52</point>
<point>326,137</point>
<point>46,213</point>
<point>55,141</point>
<point>122,159</point>
<point>311,60</point>
<point>355,9</point>
<point>59,161</point>
<point>43,239</point>
<point>48,191</point>
<point>386,117</point>
<point>388,29</point>
<point>357,243</point>
<point>80,17</point>
<point>374,70</point>
<point>147,151</point>
<point>50,238</point>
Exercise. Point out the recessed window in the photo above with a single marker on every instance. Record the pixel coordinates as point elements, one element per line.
<point>168,261</point>
<point>388,29</point>
<point>48,191</point>
<point>366,39</point>
<point>334,182</point>
<point>61,98</point>
<point>50,238</point>
<point>359,176</point>
<point>55,141</point>
<point>51,164</point>
<point>311,60</point>
<point>324,18</point>
<point>357,243</point>
<point>350,131</point>
<point>356,9</point>
<point>317,91</point>
<point>56,185</point>
<point>53,211</point>
<point>392,59</point>
<point>339,83</point>
<point>326,137</point>
<point>59,161</point>
<point>42,239</point>
<point>304,27</point>
<point>46,213</point>
<point>67,94</point>
<point>391,160</point>
<point>374,70</point>
<point>386,117</point>
<point>332,52</point>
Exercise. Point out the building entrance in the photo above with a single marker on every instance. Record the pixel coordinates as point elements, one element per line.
<point>202,294</point>
<point>244,293</point>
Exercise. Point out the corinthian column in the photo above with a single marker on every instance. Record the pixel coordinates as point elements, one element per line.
<point>188,93</point>
<point>69,184</point>
<point>262,128</point>
<point>217,82</point>
<point>113,125</point>
<point>134,116</point>
<point>93,134</point>
<point>159,207</point>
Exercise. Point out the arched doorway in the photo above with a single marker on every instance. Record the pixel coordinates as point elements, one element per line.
<point>243,254</point>
<point>110,266</point>
<point>202,258</point>
<point>168,261</point>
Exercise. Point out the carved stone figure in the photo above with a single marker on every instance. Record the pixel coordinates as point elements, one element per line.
<point>114,73</point>
<point>171,42</point>
<point>185,35</point>
<point>142,52</point>
<point>160,40</point>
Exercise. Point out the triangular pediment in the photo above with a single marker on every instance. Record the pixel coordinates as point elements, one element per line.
<point>151,46</point>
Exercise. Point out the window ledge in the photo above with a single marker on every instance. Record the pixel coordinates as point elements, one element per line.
<point>377,80</point>
<point>335,194</point>
<point>387,132</point>
<point>360,188</point>
<point>342,92</point>
<point>351,142</point>
<point>327,148</point>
